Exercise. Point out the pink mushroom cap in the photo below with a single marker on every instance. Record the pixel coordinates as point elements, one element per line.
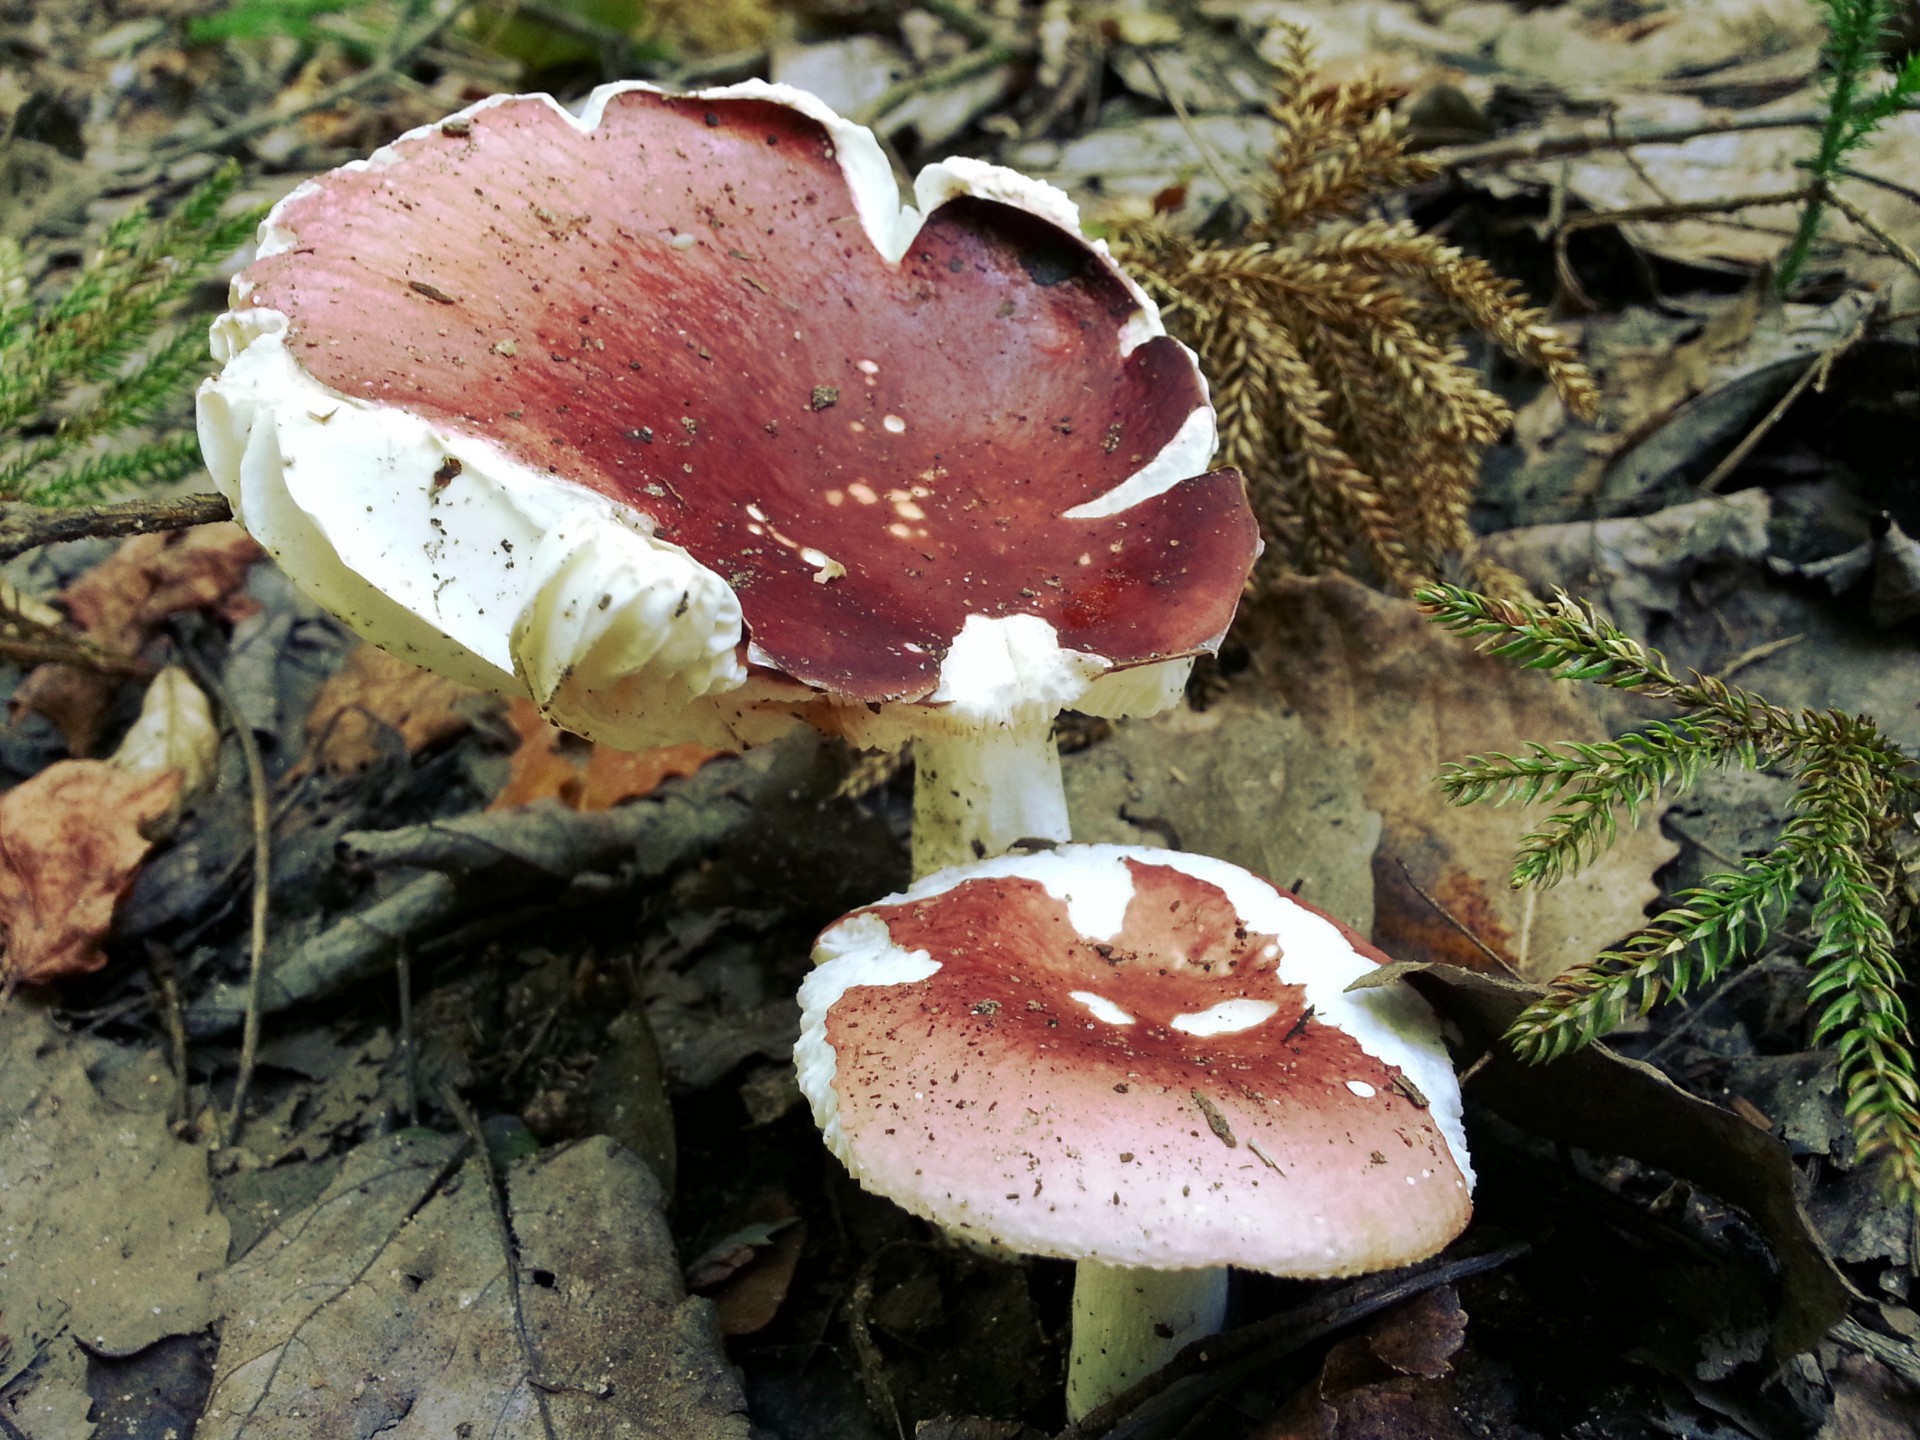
<point>1137,1057</point>
<point>673,407</point>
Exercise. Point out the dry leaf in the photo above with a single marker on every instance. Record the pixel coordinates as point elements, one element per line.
<point>70,841</point>
<point>1389,1381</point>
<point>551,764</point>
<point>122,601</point>
<point>112,1233</point>
<point>1371,678</point>
<point>373,694</point>
<point>392,1306</point>
<point>175,732</point>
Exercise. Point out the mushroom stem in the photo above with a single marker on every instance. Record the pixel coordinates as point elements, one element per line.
<point>976,792</point>
<point>1127,1323</point>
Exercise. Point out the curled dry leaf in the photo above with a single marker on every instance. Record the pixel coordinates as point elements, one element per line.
<point>552,764</point>
<point>1401,698</point>
<point>121,602</point>
<point>71,839</point>
<point>175,732</point>
<point>373,694</point>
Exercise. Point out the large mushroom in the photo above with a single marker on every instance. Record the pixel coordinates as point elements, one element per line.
<point>672,416</point>
<point>1146,1062</point>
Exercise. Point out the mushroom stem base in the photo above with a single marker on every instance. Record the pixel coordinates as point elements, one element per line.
<point>1128,1323</point>
<point>976,793</point>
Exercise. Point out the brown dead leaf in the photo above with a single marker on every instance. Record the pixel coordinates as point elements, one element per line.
<point>121,602</point>
<point>1372,679</point>
<point>552,764</point>
<point>1870,1402</point>
<point>1388,1382</point>
<point>374,693</point>
<point>70,842</point>
<point>747,1275</point>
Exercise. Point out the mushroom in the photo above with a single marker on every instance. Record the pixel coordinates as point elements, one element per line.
<point>1144,1061</point>
<point>672,416</point>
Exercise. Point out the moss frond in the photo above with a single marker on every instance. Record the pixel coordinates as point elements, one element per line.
<point>1330,337</point>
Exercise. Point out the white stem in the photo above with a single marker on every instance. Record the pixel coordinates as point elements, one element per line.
<point>976,793</point>
<point>1128,1323</point>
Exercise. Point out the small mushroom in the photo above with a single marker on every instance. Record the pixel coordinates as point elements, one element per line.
<point>672,416</point>
<point>1146,1062</point>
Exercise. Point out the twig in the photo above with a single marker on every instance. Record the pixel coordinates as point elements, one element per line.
<point>1880,182</point>
<point>509,1251</point>
<point>1896,1355</point>
<point>1181,113</point>
<point>1680,209</point>
<point>1665,210</point>
<point>403,970</point>
<point>941,77</point>
<point>403,49</point>
<point>162,961</point>
<point>1754,654</point>
<point>52,649</point>
<point>26,527</point>
<point>1814,374</point>
<point>1587,139</point>
<point>261,797</point>
<point>959,17</point>
<point>1897,247</point>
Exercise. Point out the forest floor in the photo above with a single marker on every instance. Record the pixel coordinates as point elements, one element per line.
<point>522,1097</point>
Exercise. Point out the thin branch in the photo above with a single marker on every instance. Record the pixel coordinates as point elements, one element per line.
<point>1814,375</point>
<point>509,1250</point>
<point>1680,209</point>
<point>967,21</point>
<point>1589,139</point>
<point>55,649</point>
<point>261,796</point>
<point>1899,248</point>
<point>1447,915</point>
<point>943,77</point>
<point>1185,117</point>
<point>26,527</point>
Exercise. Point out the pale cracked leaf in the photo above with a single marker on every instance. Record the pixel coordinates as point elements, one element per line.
<point>108,1229</point>
<point>389,1307</point>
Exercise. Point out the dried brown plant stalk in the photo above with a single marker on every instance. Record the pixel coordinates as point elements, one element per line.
<point>1330,337</point>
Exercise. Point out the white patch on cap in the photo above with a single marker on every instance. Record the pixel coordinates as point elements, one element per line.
<point>1390,1022</point>
<point>1182,458</point>
<point>1102,1008</point>
<point>1362,1089</point>
<point>858,950</point>
<point>1229,1017</point>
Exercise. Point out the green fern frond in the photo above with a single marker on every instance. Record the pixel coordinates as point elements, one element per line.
<point>108,329</point>
<point>1855,789</point>
<point>1692,941</point>
<point>1856,30</point>
<point>147,466</point>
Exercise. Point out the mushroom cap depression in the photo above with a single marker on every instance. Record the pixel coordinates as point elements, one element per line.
<point>672,415</point>
<point>1137,1057</point>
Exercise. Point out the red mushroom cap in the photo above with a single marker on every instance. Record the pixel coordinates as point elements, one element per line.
<point>1139,1057</point>
<point>709,314</point>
